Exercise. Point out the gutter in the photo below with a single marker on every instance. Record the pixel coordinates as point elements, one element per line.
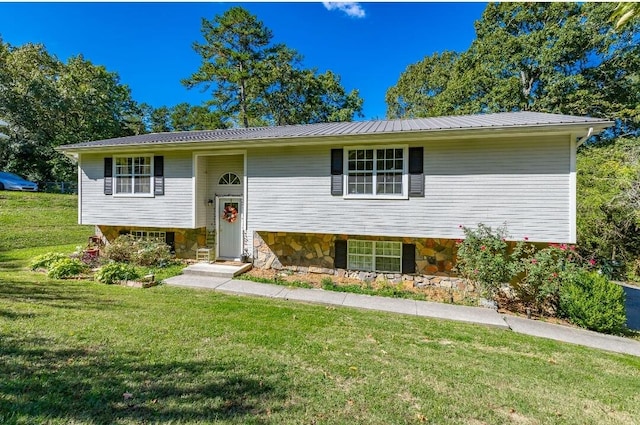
<point>409,136</point>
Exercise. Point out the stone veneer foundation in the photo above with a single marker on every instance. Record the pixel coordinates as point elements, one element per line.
<point>314,253</point>
<point>186,241</point>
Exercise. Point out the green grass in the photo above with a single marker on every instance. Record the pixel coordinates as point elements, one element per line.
<point>76,352</point>
<point>39,219</point>
<point>70,350</point>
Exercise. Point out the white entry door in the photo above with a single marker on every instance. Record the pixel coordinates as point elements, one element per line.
<point>229,227</point>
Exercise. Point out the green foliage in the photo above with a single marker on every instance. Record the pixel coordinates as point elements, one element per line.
<point>483,258</point>
<point>593,302</point>
<point>625,13</point>
<point>44,261</point>
<point>541,275</point>
<point>547,57</point>
<point>255,82</point>
<point>65,268</point>
<point>142,252</point>
<point>115,273</point>
<point>608,207</point>
<point>48,103</point>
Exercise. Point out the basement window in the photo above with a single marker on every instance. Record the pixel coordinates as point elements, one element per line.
<point>380,256</point>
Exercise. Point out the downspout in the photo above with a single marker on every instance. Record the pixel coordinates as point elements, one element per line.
<point>584,139</point>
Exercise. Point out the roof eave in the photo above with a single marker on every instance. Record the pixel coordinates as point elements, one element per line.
<point>580,129</point>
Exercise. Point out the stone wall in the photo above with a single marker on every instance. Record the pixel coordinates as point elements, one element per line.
<point>186,240</point>
<point>314,253</point>
<point>278,250</point>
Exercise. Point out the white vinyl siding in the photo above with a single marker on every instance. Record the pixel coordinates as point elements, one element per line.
<point>173,209</point>
<point>524,182</point>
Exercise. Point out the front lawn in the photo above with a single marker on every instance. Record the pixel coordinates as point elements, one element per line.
<point>35,219</point>
<point>85,353</point>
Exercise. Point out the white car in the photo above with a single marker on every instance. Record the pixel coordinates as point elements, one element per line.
<point>10,181</point>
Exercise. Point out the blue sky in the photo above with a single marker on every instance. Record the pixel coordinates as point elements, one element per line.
<point>149,44</point>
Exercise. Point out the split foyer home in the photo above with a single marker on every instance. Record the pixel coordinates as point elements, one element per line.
<point>377,196</point>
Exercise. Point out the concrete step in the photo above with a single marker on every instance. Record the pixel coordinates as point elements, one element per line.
<point>216,270</point>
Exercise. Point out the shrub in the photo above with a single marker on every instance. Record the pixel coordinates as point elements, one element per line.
<point>142,252</point>
<point>540,275</point>
<point>590,300</point>
<point>116,272</point>
<point>66,267</point>
<point>44,261</point>
<point>482,257</point>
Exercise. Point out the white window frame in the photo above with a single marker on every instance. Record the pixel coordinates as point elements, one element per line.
<point>149,234</point>
<point>149,194</point>
<point>229,174</point>
<point>374,195</point>
<point>375,246</point>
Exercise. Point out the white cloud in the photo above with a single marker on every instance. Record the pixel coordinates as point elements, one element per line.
<point>352,9</point>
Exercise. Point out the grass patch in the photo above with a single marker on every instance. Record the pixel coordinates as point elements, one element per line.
<point>174,355</point>
<point>40,219</point>
<point>79,352</point>
<point>275,281</point>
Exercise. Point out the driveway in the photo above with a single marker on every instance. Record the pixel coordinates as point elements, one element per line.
<point>633,306</point>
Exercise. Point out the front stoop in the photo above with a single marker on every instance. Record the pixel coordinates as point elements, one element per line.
<point>216,270</point>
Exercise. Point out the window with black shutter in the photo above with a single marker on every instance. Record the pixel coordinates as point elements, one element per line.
<point>416,171</point>
<point>340,256</point>
<point>158,175</point>
<point>108,176</point>
<point>336,171</point>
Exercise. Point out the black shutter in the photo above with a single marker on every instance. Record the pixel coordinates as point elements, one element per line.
<point>340,259</point>
<point>408,258</point>
<point>108,176</point>
<point>416,171</point>
<point>158,174</point>
<point>336,171</point>
<point>170,239</point>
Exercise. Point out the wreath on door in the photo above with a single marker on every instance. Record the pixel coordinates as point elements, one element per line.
<point>230,214</point>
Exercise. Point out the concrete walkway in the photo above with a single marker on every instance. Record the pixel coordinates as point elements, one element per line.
<point>476,315</point>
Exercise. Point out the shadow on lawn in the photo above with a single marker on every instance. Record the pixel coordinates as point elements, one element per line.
<point>90,385</point>
<point>59,294</point>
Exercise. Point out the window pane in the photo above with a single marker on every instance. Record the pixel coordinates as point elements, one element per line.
<point>142,185</point>
<point>124,166</point>
<point>360,183</point>
<point>123,185</point>
<point>388,264</point>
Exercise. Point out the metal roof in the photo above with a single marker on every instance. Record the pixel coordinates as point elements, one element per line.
<point>461,122</point>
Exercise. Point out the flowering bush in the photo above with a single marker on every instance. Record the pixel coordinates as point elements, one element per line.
<point>540,275</point>
<point>482,258</point>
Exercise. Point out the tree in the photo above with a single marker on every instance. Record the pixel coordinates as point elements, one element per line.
<point>625,13</point>
<point>546,57</point>
<point>47,103</point>
<point>419,91</point>
<point>608,216</point>
<point>254,82</point>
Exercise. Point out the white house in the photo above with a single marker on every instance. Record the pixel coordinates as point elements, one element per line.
<point>377,195</point>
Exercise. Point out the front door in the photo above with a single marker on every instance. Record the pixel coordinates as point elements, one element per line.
<point>229,228</point>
